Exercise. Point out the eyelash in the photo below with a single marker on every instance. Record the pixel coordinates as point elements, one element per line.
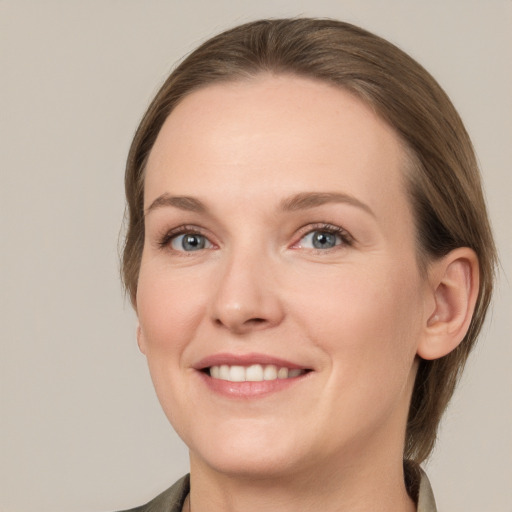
<point>347,240</point>
<point>166,239</point>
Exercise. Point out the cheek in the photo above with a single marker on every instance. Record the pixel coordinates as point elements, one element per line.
<point>366,323</point>
<point>169,309</point>
<point>369,323</point>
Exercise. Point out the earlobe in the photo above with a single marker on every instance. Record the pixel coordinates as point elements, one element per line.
<point>140,340</point>
<point>455,283</point>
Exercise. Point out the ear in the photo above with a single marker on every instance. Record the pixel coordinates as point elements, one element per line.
<point>454,281</point>
<point>140,340</point>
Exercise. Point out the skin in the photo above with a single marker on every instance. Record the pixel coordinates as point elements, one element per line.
<point>354,314</point>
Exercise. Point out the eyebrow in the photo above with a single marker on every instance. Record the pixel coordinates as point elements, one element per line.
<point>189,204</point>
<point>306,200</point>
<point>301,201</point>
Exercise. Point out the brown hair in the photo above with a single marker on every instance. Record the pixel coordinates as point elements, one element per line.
<point>443,179</point>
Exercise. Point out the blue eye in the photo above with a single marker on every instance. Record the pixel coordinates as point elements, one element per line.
<point>190,242</point>
<point>321,239</point>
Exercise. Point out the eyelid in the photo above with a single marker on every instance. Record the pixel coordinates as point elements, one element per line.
<point>175,242</point>
<point>164,240</point>
<point>346,238</point>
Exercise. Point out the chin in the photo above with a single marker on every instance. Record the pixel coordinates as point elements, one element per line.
<point>249,466</point>
<point>255,455</point>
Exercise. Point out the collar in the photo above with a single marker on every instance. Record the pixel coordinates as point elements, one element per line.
<point>426,501</point>
<point>173,498</point>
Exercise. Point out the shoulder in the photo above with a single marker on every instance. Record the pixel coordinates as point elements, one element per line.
<point>170,500</point>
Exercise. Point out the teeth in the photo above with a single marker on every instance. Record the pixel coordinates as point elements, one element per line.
<point>224,372</point>
<point>253,373</point>
<point>237,374</point>
<point>282,373</point>
<point>270,372</point>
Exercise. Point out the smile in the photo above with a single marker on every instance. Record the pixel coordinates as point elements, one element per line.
<point>253,373</point>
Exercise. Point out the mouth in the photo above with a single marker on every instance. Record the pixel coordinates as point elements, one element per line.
<point>250,374</point>
<point>253,372</point>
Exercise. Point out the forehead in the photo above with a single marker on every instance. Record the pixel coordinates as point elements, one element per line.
<point>273,134</point>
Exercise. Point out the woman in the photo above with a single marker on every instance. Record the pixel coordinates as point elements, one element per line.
<point>310,260</point>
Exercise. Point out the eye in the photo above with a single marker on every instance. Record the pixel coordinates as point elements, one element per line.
<point>320,240</point>
<point>190,242</point>
<point>324,238</point>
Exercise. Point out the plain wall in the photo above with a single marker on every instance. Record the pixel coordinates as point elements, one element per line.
<point>81,429</point>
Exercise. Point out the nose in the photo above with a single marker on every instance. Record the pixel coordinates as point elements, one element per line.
<point>247,295</point>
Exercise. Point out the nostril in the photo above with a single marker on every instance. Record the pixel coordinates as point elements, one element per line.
<point>255,321</point>
<point>244,325</point>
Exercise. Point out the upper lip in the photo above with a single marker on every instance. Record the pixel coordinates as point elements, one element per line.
<point>245,360</point>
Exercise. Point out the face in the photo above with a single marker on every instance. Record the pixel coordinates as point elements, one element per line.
<point>279,298</point>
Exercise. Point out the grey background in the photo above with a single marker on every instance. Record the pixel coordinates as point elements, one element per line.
<point>81,429</point>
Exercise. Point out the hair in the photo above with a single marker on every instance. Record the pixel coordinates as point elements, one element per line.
<point>442,178</point>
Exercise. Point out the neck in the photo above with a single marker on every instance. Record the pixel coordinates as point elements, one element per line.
<point>357,488</point>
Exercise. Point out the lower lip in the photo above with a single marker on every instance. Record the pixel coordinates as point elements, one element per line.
<point>247,389</point>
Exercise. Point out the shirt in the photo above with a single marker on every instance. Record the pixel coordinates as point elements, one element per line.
<point>173,498</point>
